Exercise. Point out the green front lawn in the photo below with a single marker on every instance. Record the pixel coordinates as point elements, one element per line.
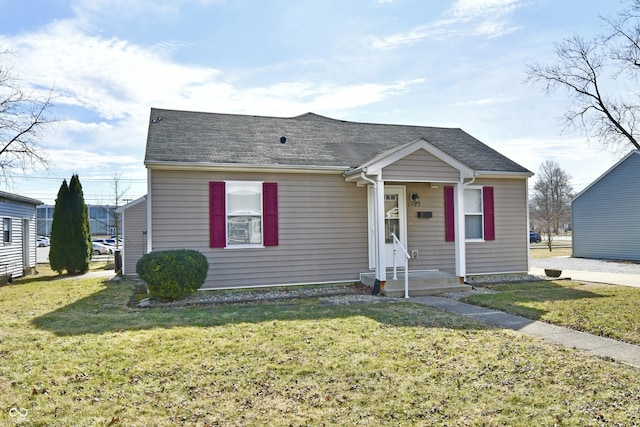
<point>73,354</point>
<point>606,310</point>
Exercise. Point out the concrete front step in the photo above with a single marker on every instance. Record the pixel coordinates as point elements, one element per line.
<point>421,283</point>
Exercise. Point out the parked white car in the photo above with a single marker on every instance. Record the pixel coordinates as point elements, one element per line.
<point>43,241</point>
<point>108,242</point>
<point>101,249</point>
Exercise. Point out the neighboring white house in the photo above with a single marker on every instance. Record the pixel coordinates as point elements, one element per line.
<point>605,219</point>
<point>18,242</point>
<point>310,199</point>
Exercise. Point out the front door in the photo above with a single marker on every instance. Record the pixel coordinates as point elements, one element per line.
<point>394,220</point>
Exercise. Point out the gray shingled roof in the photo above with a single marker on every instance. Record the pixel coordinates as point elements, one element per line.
<point>311,140</point>
<point>18,198</point>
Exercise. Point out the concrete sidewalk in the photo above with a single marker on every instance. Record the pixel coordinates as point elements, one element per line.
<point>599,346</point>
<point>595,277</point>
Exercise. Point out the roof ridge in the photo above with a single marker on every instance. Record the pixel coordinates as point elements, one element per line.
<point>304,116</point>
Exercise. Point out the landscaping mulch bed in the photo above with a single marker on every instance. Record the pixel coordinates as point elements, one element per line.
<point>330,294</point>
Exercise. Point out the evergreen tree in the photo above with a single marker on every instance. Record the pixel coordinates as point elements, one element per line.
<point>70,235</point>
<point>60,230</point>
<point>80,247</point>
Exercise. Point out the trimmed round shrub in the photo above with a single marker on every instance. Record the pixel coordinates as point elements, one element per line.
<point>173,274</point>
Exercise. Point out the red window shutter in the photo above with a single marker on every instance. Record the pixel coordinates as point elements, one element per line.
<point>488,213</point>
<point>270,213</point>
<point>217,215</point>
<point>449,215</point>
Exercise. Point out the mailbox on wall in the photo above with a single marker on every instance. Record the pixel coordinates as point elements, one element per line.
<point>425,214</point>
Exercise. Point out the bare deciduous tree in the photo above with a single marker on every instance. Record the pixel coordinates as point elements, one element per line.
<point>22,119</point>
<point>118,194</point>
<point>551,200</point>
<point>591,71</point>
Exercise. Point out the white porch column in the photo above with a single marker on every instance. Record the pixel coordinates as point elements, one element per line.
<point>460,246</point>
<point>381,268</point>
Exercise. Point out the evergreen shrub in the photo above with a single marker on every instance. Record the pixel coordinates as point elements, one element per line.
<point>173,274</point>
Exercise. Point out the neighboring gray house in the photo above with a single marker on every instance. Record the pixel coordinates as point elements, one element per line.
<point>605,214</point>
<point>18,245</point>
<point>134,233</point>
<point>309,199</point>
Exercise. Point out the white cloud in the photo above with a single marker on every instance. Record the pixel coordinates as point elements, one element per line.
<point>116,79</point>
<point>474,9</point>
<point>92,162</point>
<point>485,101</point>
<point>106,76</point>
<point>487,18</point>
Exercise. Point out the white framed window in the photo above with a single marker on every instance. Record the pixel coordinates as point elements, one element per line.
<point>244,213</point>
<point>473,214</point>
<point>6,230</point>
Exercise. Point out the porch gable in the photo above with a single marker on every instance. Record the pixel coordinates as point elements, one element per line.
<point>420,166</point>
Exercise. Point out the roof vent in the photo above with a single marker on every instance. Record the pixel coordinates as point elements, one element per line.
<point>283,139</point>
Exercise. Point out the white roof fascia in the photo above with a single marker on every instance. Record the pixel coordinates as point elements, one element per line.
<point>232,167</point>
<point>375,165</point>
<point>605,174</point>
<point>502,174</point>
<point>19,199</point>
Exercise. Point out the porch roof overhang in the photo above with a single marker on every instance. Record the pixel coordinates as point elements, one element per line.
<point>374,166</point>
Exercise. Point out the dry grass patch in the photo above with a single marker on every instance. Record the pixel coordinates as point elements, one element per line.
<point>73,354</point>
<point>605,310</point>
<point>541,253</point>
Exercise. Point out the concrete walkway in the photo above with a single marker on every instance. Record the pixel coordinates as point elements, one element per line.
<point>599,346</point>
<point>89,275</point>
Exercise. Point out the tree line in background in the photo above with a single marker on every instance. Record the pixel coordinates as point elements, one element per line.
<point>550,202</point>
<point>71,246</point>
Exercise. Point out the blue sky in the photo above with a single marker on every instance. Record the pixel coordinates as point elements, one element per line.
<point>435,63</point>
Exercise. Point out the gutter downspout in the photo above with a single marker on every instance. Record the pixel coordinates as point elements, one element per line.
<point>376,234</point>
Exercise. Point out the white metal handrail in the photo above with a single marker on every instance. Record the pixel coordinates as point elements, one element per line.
<point>404,260</point>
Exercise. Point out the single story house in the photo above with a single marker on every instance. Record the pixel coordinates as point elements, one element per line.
<point>310,199</point>
<point>605,214</point>
<point>18,246</point>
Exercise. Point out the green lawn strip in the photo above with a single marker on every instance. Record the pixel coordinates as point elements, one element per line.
<point>605,310</point>
<point>73,354</point>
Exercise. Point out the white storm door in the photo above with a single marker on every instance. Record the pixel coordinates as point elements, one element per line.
<point>395,220</point>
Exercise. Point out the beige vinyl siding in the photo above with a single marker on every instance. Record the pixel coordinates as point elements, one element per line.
<point>420,166</point>
<point>134,221</point>
<point>509,251</point>
<point>322,228</point>
<point>426,235</point>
